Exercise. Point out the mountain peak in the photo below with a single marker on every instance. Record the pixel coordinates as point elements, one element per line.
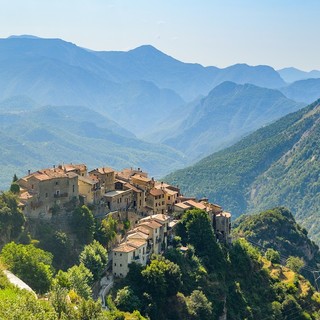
<point>23,36</point>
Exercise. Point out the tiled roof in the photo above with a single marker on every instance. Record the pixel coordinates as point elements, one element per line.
<point>141,178</point>
<point>130,245</point>
<point>195,204</point>
<point>139,235</point>
<point>182,205</point>
<point>152,224</point>
<point>48,174</point>
<point>102,170</point>
<point>72,167</point>
<point>161,218</point>
<point>133,188</point>
<point>89,179</point>
<point>156,192</point>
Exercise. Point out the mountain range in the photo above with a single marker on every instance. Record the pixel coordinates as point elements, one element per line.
<point>276,165</point>
<point>293,74</point>
<point>44,136</point>
<point>229,112</point>
<point>62,103</point>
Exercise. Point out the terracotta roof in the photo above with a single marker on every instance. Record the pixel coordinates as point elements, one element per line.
<point>25,195</point>
<point>170,192</point>
<point>141,178</point>
<point>182,205</point>
<point>72,167</point>
<point>139,235</point>
<point>130,245</point>
<point>133,188</point>
<point>48,174</point>
<point>102,170</point>
<point>141,229</point>
<point>89,179</point>
<point>137,243</point>
<point>161,218</point>
<point>124,247</point>
<point>159,184</point>
<point>152,224</point>
<point>127,173</point>
<point>156,192</point>
<point>195,204</point>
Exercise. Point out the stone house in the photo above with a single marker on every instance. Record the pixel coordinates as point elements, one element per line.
<point>45,189</point>
<point>155,200</point>
<point>106,176</point>
<point>89,189</point>
<point>118,200</point>
<point>132,250</point>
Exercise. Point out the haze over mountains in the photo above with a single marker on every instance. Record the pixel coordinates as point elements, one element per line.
<point>227,113</point>
<point>60,102</point>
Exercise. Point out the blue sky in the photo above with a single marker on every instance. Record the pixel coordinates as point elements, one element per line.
<point>279,33</point>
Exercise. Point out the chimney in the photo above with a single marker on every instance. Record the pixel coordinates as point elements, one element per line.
<point>29,172</point>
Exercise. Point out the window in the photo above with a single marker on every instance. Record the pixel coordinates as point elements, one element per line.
<point>73,188</point>
<point>115,253</point>
<point>46,194</point>
<point>120,264</point>
<point>57,183</point>
<point>32,186</point>
<point>168,197</point>
<point>115,264</point>
<point>120,254</point>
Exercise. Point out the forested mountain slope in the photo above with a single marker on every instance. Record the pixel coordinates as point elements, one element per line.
<point>276,165</point>
<point>41,137</point>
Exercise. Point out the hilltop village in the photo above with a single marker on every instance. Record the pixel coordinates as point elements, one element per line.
<point>153,208</point>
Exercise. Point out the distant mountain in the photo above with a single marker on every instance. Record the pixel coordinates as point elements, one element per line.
<point>18,103</point>
<point>293,74</point>
<point>56,72</point>
<point>304,90</point>
<point>276,165</point>
<point>50,135</point>
<point>224,116</point>
<point>189,80</point>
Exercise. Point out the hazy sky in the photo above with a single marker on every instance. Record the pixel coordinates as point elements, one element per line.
<point>279,33</point>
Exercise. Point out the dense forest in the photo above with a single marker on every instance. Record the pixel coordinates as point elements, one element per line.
<point>197,278</point>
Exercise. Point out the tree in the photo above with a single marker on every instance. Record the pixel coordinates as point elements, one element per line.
<point>78,278</point>
<point>107,231</point>
<point>126,300</point>
<point>15,178</point>
<point>199,306</point>
<point>294,263</point>
<point>11,217</point>
<point>31,264</point>
<point>95,257</point>
<point>163,278</point>
<point>272,255</point>
<point>83,224</point>
<point>200,234</point>
<point>15,188</point>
